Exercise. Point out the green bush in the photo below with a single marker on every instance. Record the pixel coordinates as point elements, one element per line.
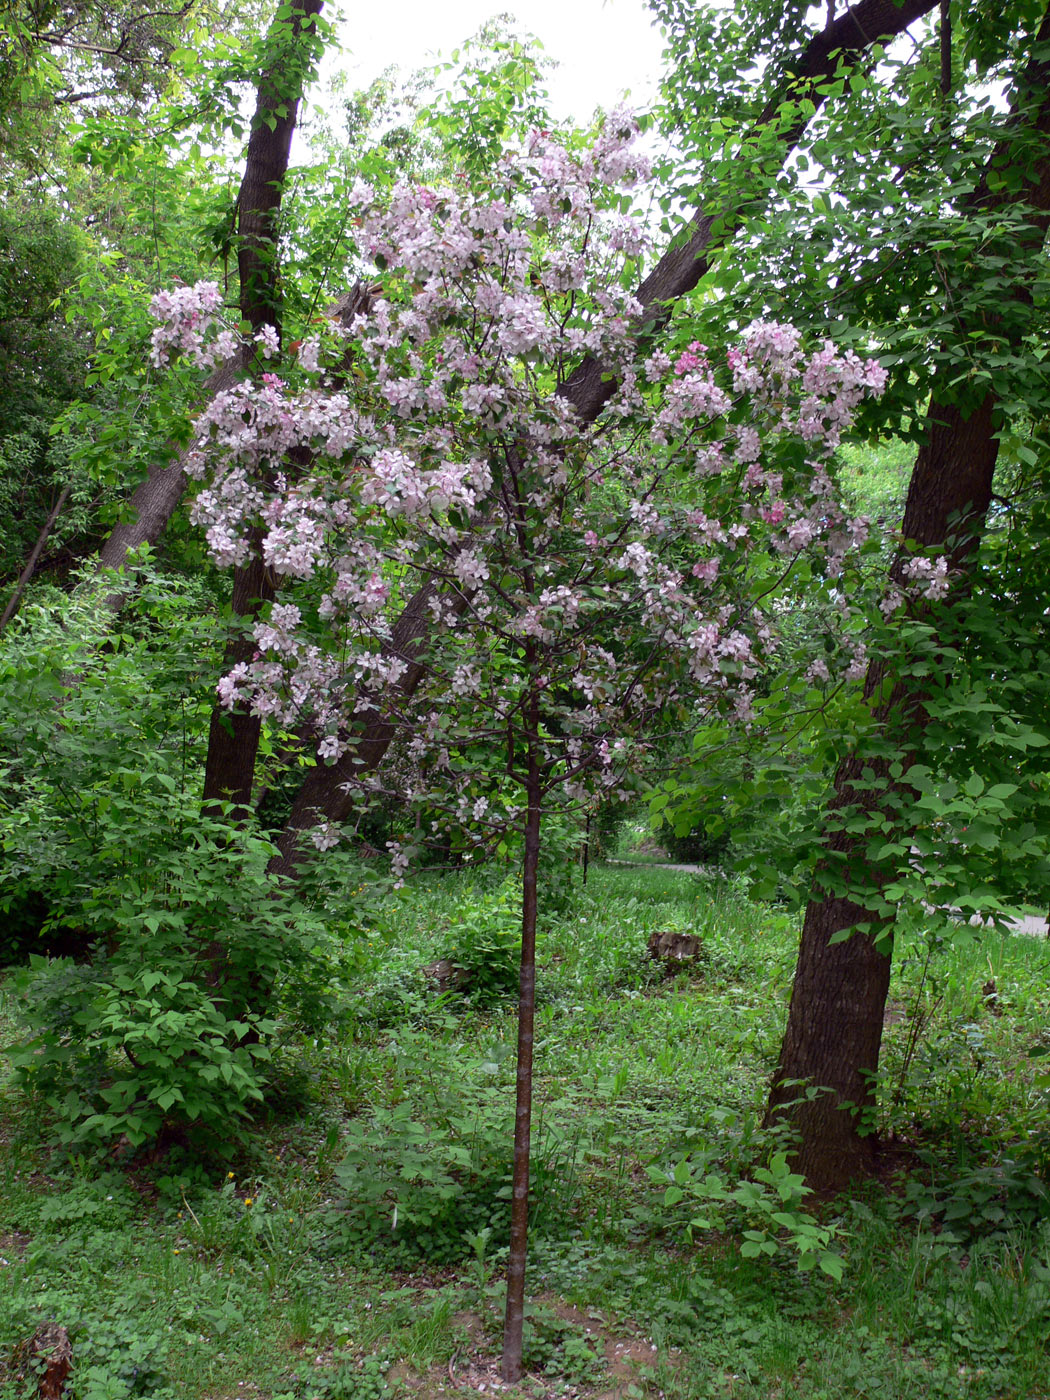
<point>193,951</point>
<point>484,943</point>
<point>430,1178</point>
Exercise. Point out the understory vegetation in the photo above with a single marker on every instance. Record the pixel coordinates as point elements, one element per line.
<point>351,1244</point>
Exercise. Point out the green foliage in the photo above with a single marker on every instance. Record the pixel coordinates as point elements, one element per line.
<point>193,950</point>
<point>768,1207</point>
<point>494,94</point>
<point>430,1177</point>
<point>484,943</point>
<point>45,360</point>
<point>205,1282</point>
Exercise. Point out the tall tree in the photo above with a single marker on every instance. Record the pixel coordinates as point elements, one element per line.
<point>834,1030</point>
<point>291,53</point>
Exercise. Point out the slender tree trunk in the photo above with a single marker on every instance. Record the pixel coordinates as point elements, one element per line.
<point>834,1030</point>
<point>31,563</point>
<point>514,1319</point>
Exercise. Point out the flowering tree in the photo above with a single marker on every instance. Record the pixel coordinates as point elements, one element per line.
<point>581,578</point>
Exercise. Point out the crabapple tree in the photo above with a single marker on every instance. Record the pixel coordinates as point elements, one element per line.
<point>585,578</point>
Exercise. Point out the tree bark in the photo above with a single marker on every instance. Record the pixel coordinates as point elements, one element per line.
<point>833,1037</point>
<point>834,1030</point>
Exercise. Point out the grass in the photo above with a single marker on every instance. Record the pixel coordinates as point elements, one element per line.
<point>354,1247</point>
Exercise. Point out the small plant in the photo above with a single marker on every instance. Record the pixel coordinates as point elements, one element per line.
<point>767,1207</point>
<point>485,944</point>
<point>432,1178</point>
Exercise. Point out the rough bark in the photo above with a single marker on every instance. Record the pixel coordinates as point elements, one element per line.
<point>834,1031</point>
<point>233,735</point>
<point>324,795</point>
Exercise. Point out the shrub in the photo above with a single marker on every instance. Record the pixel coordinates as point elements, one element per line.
<point>193,950</point>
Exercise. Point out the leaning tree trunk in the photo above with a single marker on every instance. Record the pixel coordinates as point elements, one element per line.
<point>834,1029</point>
<point>27,573</point>
<point>834,1032</point>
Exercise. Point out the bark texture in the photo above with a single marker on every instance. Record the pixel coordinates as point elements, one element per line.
<point>834,1031</point>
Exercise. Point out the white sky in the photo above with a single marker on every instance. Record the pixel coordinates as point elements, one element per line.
<point>603,47</point>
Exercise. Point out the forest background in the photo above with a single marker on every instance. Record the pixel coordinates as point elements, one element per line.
<point>876,177</point>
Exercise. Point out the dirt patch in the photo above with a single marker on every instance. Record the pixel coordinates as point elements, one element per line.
<point>12,1246</point>
<point>896,1013</point>
<point>474,1370</point>
<point>626,1356</point>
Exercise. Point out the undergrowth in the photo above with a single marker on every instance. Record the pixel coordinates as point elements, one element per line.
<point>352,1243</point>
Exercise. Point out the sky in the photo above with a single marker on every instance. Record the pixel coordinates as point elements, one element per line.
<point>603,47</point>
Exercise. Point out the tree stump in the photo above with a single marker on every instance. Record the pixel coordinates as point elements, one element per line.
<point>48,1356</point>
<point>446,976</point>
<point>673,949</point>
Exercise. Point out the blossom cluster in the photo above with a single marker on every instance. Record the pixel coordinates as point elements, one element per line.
<point>601,567</point>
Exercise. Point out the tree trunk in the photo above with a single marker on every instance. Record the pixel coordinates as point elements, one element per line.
<point>233,738</point>
<point>327,793</point>
<point>31,562</point>
<point>834,1030</point>
<point>258,204</point>
<point>514,1319</point>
